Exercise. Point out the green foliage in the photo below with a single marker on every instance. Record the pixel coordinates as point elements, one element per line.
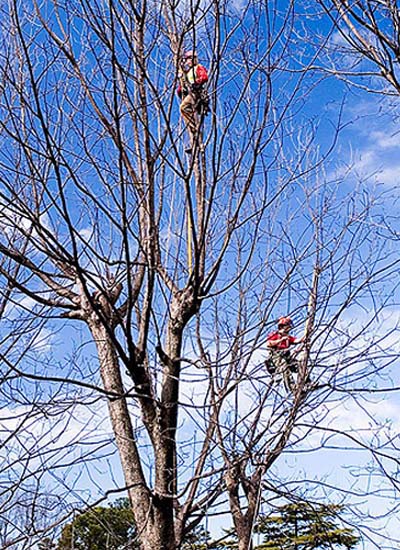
<point>304,526</point>
<point>101,528</point>
<point>113,528</point>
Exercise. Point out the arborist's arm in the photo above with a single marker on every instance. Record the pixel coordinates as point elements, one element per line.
<point>179,89</point>
<point>275,343</point>
<point>299,341</point>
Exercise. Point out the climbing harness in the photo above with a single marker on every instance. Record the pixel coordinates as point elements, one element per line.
<point>270,366</point>
<point>202,102</point>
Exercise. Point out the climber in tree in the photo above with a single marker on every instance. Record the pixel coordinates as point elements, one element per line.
<point>192,78</point>
<point>281,363</point>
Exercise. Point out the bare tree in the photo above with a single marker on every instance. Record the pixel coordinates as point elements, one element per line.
<point>260,422</point>
<point>174,266</point>
<point>370,42</point>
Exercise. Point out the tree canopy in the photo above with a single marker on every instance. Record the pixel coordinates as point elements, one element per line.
<point>305,526</point>
<point>101,528</point>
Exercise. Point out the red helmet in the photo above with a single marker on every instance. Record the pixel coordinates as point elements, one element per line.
<point>282,321</point>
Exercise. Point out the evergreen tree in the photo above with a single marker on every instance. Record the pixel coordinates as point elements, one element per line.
<point>303,526</point>
<point>112,528</point>
<point>101,528</point>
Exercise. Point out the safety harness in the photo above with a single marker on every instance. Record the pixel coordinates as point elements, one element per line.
<point>199,93</point>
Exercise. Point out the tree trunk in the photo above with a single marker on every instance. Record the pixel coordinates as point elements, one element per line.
<point>153,513</point>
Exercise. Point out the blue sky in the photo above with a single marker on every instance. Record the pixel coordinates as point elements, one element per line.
<point>365,160</point>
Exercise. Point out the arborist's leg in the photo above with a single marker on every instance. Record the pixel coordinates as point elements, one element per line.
<point>294,367</point>
<point>288,379</point>
<point>188,113</point>
<point>279,366</point>
<point>282,362</point>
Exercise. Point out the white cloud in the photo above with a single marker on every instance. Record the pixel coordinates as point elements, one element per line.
<point>12,220</point>
<point>42,340</point>
<point>371,164</point>
<point>375,144</point>
<point>60,433</point>
<point>390,176</point>
<point>384,140</point>
<point>86,234</point>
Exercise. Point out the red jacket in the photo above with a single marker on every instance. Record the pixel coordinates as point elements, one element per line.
<point>289,340</point>
<point>195,75</point>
